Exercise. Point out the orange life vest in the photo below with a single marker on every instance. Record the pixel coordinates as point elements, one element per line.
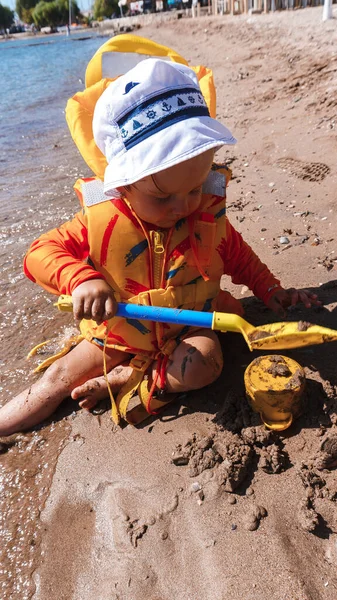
<point>180,267</point>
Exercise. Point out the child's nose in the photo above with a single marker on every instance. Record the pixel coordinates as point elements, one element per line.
<point>182,205</point>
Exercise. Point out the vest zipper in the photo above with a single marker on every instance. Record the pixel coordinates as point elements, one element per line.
<point>157,238</point>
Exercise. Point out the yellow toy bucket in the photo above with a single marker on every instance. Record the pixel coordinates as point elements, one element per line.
<point>274,386</point>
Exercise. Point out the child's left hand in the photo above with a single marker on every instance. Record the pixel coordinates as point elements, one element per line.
<point>283,299</point>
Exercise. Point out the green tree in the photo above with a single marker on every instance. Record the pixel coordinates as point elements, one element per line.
<point>105,8</point>
<point>46,14</point>
<point>24,9</point>
<point>6,17</point>
<point>64,11</point>
<point>54,13</point>
<point>27,15</point>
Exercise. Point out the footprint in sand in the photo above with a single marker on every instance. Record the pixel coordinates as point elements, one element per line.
<point>308,171</point>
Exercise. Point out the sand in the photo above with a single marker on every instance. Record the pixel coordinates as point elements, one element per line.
<point>203,503</point>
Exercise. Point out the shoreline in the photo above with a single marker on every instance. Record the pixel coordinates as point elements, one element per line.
<point>119,25</point>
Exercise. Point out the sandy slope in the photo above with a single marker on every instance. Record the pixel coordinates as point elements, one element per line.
<point>204,503</point>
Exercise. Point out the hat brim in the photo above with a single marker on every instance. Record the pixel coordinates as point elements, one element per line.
<point>177,143</point>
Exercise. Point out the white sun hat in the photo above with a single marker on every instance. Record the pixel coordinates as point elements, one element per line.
<point>150,119</point>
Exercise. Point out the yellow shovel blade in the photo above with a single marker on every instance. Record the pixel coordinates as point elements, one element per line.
<point>291,335</point>
<point>275,336</point>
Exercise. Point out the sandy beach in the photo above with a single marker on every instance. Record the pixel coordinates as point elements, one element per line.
<point>203,502</point>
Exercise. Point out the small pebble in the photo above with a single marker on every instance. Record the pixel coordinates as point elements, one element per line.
<point>231,500</point>
<point>249,492</point>
<point>252,525</point>
<point>195,487</point>
<point>125,517</point>
<point>284,240</point>
<point>233,526</point>
<point>261,512</point>
<point>164,535</point>
<point>180,460</point>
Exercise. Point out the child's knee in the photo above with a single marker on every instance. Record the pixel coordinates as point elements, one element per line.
<point>205,369</point>
<point>57,374</point>
<point>200,364</point>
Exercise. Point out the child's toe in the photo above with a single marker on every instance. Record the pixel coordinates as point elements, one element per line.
<point>89,388</point>
<point>88,403</point>
<point>78,392</point>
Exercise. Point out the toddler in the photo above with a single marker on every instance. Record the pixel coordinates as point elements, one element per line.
<point>155,232</point>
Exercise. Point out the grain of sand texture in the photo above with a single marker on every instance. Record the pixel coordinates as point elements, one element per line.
<point>203,503</point>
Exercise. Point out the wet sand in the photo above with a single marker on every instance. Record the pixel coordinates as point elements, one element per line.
<point>202,503</point>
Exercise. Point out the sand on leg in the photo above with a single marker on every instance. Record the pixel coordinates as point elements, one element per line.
<point>41,399</point>
<point>94,390</point>
<point>195,363</point>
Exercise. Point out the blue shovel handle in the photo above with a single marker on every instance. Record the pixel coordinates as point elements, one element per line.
<point>165,315</point>
<point>151,313</point>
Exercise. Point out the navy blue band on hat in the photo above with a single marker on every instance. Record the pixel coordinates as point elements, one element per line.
<point>159,112</point>
<point>194,111</point>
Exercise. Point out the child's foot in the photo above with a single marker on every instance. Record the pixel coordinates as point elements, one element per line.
<point>96,389</point>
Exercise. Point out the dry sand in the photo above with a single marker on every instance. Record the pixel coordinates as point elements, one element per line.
<point>203,503</point>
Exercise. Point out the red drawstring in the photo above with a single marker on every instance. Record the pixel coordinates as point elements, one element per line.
<point>195,249</point>
<point>161,374</point>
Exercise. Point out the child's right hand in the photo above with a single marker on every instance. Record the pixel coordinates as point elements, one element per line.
<point>95,300</point>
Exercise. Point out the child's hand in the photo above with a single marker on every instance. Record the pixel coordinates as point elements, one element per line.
<point>282,299</point>
<point>95,300</point>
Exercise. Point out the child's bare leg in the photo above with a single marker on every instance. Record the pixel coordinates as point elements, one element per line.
<point>195,363</point>
<point>94,390</point>
<point>41,399</point>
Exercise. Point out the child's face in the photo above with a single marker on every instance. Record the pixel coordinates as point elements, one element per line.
<point>164,198</point>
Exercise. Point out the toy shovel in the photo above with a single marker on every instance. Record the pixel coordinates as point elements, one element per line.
<point>274,336</point>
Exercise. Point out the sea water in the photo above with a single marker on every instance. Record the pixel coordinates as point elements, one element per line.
<point>39,164</point>
<point>38,75</point>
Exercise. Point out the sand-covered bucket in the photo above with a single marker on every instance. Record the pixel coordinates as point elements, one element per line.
<point>274,386</point>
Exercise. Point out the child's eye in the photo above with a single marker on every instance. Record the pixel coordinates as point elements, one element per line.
<point>163,200</point>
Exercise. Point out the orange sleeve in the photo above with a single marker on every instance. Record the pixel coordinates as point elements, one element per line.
<point>245,267</point>
<point>56,261</point>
